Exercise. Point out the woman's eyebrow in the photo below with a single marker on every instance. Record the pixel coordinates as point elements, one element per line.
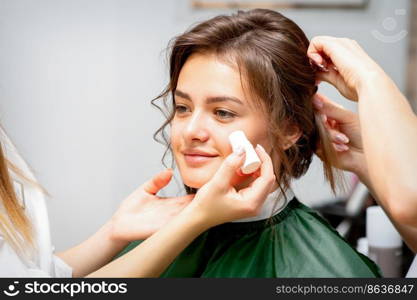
<point>182,95</point>
<point>210,100</point>
<point>223,99</point>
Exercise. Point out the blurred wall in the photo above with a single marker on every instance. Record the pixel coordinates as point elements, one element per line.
<point>76,79</point>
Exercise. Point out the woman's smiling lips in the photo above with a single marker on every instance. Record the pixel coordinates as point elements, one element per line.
<point>196,157</point>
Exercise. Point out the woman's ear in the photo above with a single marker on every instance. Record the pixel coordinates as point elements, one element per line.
<point>292,134</point>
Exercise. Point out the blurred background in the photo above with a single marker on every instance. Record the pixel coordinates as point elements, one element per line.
<point>77,78</point>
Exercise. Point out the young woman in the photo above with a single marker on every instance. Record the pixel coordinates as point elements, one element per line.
<point>250,71</point>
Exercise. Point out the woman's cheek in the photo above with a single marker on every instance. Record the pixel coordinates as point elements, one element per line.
<point>174,136</point>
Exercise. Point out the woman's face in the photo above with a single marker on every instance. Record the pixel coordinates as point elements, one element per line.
<point>210,104</point>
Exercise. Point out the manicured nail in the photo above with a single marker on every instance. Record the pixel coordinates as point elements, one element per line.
<point>317,102</point>
<point>342,138</point>
<point>341,147</point>
<point>323,68</point>
<point>345,147</point>
<point>319,61</point>
<point>316,58</point>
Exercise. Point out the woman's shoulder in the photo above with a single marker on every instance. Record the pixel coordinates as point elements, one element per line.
<point>311,247</point>
<point>296,242</point>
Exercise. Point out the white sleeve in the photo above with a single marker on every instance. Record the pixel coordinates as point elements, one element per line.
<point>60,268</point>
<point>10,264</point>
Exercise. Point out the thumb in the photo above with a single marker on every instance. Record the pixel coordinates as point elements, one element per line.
<point>229,167</point>
<point>338,81</point>
<point>331,109</point>
<point>331,76</point>
<point>157,182</point>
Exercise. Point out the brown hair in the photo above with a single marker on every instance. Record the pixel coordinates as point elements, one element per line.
<point>270,51</point>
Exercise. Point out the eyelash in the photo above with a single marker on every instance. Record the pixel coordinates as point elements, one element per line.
<point>178,107</point>
<point>227,115</point>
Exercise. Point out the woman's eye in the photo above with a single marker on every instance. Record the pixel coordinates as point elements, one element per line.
<point>181,109</point>
<point>224,114</point>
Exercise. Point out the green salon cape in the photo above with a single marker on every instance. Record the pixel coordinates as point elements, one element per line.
<point>296,242</point>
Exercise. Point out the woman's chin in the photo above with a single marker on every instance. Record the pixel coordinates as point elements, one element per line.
<point>197,177</point>
<point>195,183</point>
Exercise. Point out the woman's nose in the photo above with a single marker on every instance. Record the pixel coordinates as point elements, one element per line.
<point>196,128</point>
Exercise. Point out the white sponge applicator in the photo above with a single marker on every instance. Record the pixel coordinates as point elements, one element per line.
<point>252,162</point>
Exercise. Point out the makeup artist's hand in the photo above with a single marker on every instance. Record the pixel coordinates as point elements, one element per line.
<point>218,201</point>
<point>344,129</point>
<point>344,64</point>
<point>143,213</point>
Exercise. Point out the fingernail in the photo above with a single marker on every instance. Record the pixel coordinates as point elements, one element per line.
<point>319,61</point>
<point>342,138</point>
<point>323,118</point>
<point>323,68</point>
<point>316,58</point>
<point>317,102</point>
<point>239,151</point>
<point>341,147</point>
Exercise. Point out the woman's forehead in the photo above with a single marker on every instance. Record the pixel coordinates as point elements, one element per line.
<point>209,75</point>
